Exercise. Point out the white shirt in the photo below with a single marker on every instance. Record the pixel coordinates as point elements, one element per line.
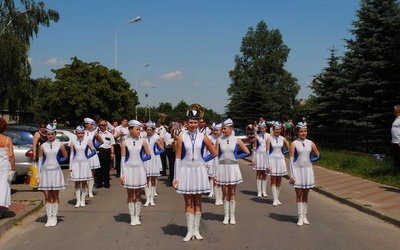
<point>168,140</point>
<point>108,139</point>
<point>396,130</point>
<point>125,131</point>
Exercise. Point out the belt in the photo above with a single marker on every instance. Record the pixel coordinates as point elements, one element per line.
<point>101,149</point>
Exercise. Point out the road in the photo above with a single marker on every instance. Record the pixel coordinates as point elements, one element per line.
<point>104,223</point>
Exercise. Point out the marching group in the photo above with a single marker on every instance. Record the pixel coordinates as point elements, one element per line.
<point>201,160</point>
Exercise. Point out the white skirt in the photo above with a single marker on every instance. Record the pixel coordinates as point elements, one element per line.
<point>278,166</point>
<point>81,171</point>
<point>193,178</point>
<point>304,177</point>
<point>94,162</point>
<point>229,174</point>
<point>152,167</point>
<point>51,179</point>
<point>5,190</point>
<point>261,161</point>
<point>135,176</point>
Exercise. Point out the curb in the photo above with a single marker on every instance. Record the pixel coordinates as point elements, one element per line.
<point>7,223</point>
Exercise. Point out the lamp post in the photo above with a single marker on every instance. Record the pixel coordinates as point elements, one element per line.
<point>134,20</point>
<point>136,89</point>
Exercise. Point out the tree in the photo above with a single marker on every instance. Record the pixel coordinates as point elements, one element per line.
<point>85,90</point>
<point>17,28</point>
<point>260,85</point>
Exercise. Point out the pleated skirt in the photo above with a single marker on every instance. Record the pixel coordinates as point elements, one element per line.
<point>51,179</point>
<point>81,171</point>
<point>193,178</point>
<point>94,162</point>
<point>261,161</point>
<point>229,174</point>
<point>153,166</point>
<point>278,166</point>
<point>304,176</point>
<point>135,177</point>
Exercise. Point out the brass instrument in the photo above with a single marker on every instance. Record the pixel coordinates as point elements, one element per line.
<point>198,108</point>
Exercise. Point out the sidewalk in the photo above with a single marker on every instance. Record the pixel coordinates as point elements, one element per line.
<point>373,198</point>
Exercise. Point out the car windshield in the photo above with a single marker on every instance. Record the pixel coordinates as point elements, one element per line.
<point>239,132</point>
<point>15,137</point>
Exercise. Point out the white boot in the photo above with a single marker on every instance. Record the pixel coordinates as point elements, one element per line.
<point>54,215</point>
<point>138,206</point>
<point>278,190</point>
<point>190,225</point>
<point>197,217</point>
<point>147,194</point>
<point>152,194</point>
<point>49,213</point>
<point>216,194</point>
<point>131,207</point>
<point>220,202</point>
<point>155,188</point>
<point>259,188</point>
<point>90,187</point>
<point>232,206</point>
<point>212,188</point>
<point>300,213</point>
<point>274,191</point>
<point>226,213</point>
<point>78,197</point>
<point>305,207</point>
<point>264,187</point>
<point>84,194</point>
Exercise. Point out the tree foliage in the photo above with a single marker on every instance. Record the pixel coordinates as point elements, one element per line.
<point>260,85</point>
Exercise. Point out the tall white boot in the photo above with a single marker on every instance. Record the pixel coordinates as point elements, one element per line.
<point>138,206</point>
<point>152,194</point>
<point>190,225</point>
<point>264,187</point>
<point>155,188</point>
<point>259,188</point>
<point>305,207</point>
<point>274,192</point>
<point>226,213</point>
<point>300,213</point>
<point>147,194</point>
<point>78,197</point>
<point>212,188</point>
<point>84,194</point>
<point>131,207</point>
<point>216,194</point>
<point>54,221</point>
<point>196,232</point>
<point>90,187</point>
<point>278,191</point>
<point>232,206</point>
<point>49,213</point>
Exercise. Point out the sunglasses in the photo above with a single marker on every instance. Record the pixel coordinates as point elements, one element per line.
<point>102,125</point>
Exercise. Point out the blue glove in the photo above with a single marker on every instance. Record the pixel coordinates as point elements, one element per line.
<point>91,154</point>
<point>315,158</point>
<point>144,156</point>
<point>157,149</point>
<point>209,157</point>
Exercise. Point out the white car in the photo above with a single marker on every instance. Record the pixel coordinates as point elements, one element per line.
<point>65,136</point>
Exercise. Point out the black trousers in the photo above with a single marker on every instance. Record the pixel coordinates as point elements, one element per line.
<point>163,157</point>
<point>396,157</point>
<point>171,162</point>
<point>103,173</point>
<point>117,154</point>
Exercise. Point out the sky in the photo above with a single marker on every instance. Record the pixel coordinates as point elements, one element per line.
<point>183,50</point>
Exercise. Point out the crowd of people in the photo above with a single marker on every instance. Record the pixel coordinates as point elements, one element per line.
<point>201,160</point>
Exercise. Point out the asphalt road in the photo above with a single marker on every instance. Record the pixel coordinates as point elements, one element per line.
<point>104,223</point>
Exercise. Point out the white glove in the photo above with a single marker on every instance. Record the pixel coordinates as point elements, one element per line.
<point>11,176</point>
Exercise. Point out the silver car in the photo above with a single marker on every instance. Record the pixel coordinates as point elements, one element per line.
<point>23,153</point>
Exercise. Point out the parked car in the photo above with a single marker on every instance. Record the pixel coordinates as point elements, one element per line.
<point>23,153</point>
<point>240,133</point>
<point>24,126</point>
<point>26,134</point>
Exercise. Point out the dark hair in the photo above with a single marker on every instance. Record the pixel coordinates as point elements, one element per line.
<point>3,125</point>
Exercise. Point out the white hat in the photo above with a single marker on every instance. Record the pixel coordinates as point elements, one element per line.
<point>134,123</point>
<point>216,126</point>
<point>51,127</point>
<point>80,128</point>
<point>301,124</point>
<point>227,122</point>
<point>151,124</point>
<point>277,124</point>
<point>262,124</point>
<point>89,120</point>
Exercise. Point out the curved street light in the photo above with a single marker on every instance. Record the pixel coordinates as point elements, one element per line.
<point>134,20</point>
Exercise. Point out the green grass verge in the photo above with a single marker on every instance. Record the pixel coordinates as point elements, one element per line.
<point>361,165</point>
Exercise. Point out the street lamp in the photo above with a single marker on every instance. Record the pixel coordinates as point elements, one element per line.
<point>134,20</point>
<point>136,88</point>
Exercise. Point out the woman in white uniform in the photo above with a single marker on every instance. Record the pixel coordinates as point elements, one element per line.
<point>50,176</point>
<point>7,165</point>
<point>302,173</point>
<point>260,158</point>
<point>191,177</point>
<point>212,165</point>
<point>228,173</point>
<point>134,151</point>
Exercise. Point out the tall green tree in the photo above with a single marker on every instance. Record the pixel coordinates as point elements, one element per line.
<point>19,24</point>
<point>260,85</point>
<point>84,90</point>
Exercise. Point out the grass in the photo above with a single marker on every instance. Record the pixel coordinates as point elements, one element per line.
<point>361,165</point>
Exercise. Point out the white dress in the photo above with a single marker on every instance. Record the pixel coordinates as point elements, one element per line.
<point>228,171</point>
<point>192,174</point>
<point>211,170</point>
<point>79,163</point>
<point>302,167</point>
<point>276,157</point>
<point>5,168</point>
<point>133,169</point>
<point>260,154</point>
<point>94,161</point>
<point>51,176</point>
<point>153,165</point>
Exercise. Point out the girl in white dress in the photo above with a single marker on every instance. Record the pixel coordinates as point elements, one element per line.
<point>212,165</point>
<point>191,177</point>
<point>50,176</point>
<point>134,151</point>
<point>302,173</point>
<point>276,160</point>
<point>228,173</point>
<point>79,165</point>
<point>7,165</point>
<point>260,157</point>
<point>152,166</point>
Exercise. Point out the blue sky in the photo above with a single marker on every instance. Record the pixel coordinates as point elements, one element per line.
<point>189,45</point>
